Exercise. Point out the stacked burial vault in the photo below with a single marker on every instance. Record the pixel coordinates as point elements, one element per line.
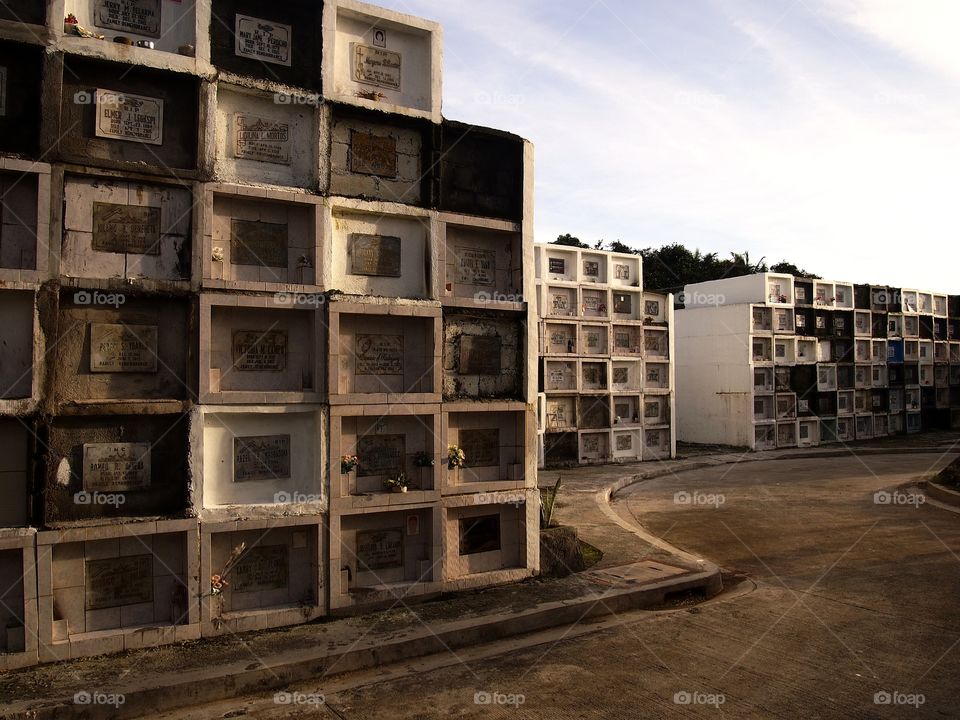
<point>606,360</point>
<point>768,361</point>
<point>226,261</point>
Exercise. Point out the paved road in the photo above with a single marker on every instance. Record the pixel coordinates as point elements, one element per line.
<point>852,598</point>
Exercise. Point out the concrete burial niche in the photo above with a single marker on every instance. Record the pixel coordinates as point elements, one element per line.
<point>252,457</point>
<point>379,250</point>
<point>493,446</point>
<point>117,466</point>
<point>260,350</point>
<point>169,24</point>
<point>381,357</point>
<point>380,550</point>
<point>261,141</point>
<point>275,42</point>
<point>132,349</point>
<point>484,265</point>
<point>18,599</point>
<point>484,538</point>
<point>481,172</point>
<point>24,220</point>
<point>266,568</point>
<point>17,343</point>
<point>561,447</point>
<point>378,58</point>
<point>125,229</point>
<point>252,240</point>
<point>560,413</point>
<point>116,589</point>
<point>483,355</point>
<point>14,474</point>
<point>375,159</point>
<point>117,115</point>
<point>559,338</point>
<point>386,446</point>
<point>20,98</point>
<point>558,301</point>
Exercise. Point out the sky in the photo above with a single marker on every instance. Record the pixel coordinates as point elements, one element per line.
<point>823,132</point>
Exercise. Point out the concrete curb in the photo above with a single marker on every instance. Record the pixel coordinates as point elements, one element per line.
<point>943,494</point>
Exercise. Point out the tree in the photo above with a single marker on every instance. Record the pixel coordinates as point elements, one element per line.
<point>570,241</point>
<point>789,268</point>
<point>619,247</point>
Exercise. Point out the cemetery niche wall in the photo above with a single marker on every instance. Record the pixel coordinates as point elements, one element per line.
<point>251,261</point>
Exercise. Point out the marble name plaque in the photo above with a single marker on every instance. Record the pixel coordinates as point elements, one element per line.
<point>624,442</point>
<point>591,444</point>
<point>557,266</point>
<point>379,549</point>
<point>263,40</point>
<point>591,268</point>
<point>116,467</point>
<point>257,138</point>
<point>123,348</point>
<point>119,581</point>
<point>379,355</point>
<point>141,17</point>
<point>259,350</point>
<point>258,243</point>
<point>373,154</point>
<point>374,255</point>
<point>476,267</point>
<point>481,448</point>
<point>381,454</point>
<point>124,116</point>
<point>126,229</point>
<point>376,66</point>
<point>262,567</point>
<point>480,355</point>
<point>622,304</point>
<point>621,376</point>
<point>621,272</point>
<point>264,457</point>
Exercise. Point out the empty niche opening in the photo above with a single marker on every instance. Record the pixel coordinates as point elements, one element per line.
<point>12,629</point>
<point>486,538</point>
<point>18,221</point>
<point>16,338</point>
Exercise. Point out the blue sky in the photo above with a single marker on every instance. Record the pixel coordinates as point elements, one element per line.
<point>826,132</point>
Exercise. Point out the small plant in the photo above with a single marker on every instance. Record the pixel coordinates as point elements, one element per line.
<point>348,463</point>
<point>396,483</point>
<point>455,457</point>
<point>423,459</point>
<point>548,499</point>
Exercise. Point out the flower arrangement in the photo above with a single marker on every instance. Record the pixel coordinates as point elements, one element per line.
<point>348,463</point>
<point>455,457</point>
<point>218,581</point>
<point>423,459</point>
<point>397,482</point>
